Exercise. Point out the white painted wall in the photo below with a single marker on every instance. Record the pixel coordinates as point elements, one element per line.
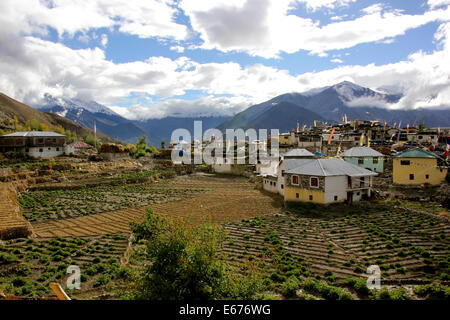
<point>270,185</point>
<point>281,181</point>
<point>47,152</point>
<point>335,186</point>
<point>267,169</point>
<point>222,168</point>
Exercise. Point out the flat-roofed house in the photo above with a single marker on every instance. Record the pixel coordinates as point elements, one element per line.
<point>35,144</point>
<point>364,157</point>
<point>326,181</point>
<point>417,166</point>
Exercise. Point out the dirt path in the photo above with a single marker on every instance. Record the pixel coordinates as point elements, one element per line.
<point>228,199</point>
<point>12,222</point>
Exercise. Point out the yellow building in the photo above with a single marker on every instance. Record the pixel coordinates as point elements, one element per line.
<point>285,139</point>
<point>417,166</point>
<point>327,181</point>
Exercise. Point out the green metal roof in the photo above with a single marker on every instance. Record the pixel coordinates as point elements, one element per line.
<point>417,153</point>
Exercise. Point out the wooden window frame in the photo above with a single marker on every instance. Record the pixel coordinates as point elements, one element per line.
<point>310,182</point>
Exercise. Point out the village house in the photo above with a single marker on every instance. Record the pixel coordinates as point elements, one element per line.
<point>77,148</point>
<point>417,166</point>
<point>364,157</point>
<point>288,161</point>
<point>327,181</point>
<point>35,144</point>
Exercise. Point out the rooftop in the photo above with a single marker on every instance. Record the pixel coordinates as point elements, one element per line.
<point>329,167</point>
<point>361,152</point>
<point>417,153</point>
<point>298,153</point>
<point>34,134</point>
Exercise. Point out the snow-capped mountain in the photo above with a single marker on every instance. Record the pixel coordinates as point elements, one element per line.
<point>86,113</point>
<point>75,104</point>
<point>331,103</point>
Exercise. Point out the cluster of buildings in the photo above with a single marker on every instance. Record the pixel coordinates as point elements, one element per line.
<point>301,176</point>
<point>335,138</point>
<point>41,144</point>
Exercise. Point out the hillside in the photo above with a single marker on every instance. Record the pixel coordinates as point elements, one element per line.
<point>10,108</point>
<point>331,103</point>
<point>279,113</point>
<point>85,113</point>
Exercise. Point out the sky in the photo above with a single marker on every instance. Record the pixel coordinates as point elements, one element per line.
<point>155,58</point>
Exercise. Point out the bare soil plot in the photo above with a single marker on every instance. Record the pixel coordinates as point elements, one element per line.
<point>209,198</point>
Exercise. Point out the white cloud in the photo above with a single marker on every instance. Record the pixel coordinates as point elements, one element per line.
<point>149,18</point>
<point>438,3</point>
<point>31,66</point>
<point>104,40</point>
<point>330,4</point>
<point>204,107</point>
<point>336,60</point>
<point>178,49</point>
<point>266,28</point>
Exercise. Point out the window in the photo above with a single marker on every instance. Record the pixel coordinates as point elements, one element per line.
<point>295,180</point>
<point>57,149</point>
<point>282,186</point>
<point>297,195</point>
<point>335,198</point>
<point>49,149</point>
<point>310,198</point>
<point>427,176</point>
<point>357,193</point>
<point>27,150</point>
<point>375,160</point>
<point>405,162</point>
<point>360,160</point>
<point>41,150</point>
<point>40,140</point>
<point>420,137</point>
<point>411,176</point>
<point>282,173</point>
<point>314,182</point>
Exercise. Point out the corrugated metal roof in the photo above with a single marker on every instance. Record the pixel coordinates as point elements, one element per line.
<point>298,153</point>
<point>361,152</point>
<point>330,167</point>
<point>294,163</point>
<point>34,134</point>
<point>417,153</point>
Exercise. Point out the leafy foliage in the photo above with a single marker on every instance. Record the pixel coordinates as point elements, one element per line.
<point>185,263</point>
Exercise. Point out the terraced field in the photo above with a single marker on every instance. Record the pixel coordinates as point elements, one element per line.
<point>333,245</point>
<point>206,198</point>
<point>12,223</point>
<point>27,266</point>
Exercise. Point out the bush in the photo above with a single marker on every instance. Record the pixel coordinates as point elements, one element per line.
<point>396,294</point>
<point>325,290</point>
<point>185,263</point>
<point>6,258</point>
<point>290,287</point>
<point>433,290</point>
<point>359,285</point>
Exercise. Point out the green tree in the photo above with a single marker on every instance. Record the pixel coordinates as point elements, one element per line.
<point>185,263</point>
<point>163,144</point>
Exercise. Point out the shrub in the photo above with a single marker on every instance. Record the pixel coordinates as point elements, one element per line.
<point>396,294</point>
<point>325,290</point>
<point>185,263</point>
<point>433,290</point>
<point>6,258</point>
<point>290,287</point>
